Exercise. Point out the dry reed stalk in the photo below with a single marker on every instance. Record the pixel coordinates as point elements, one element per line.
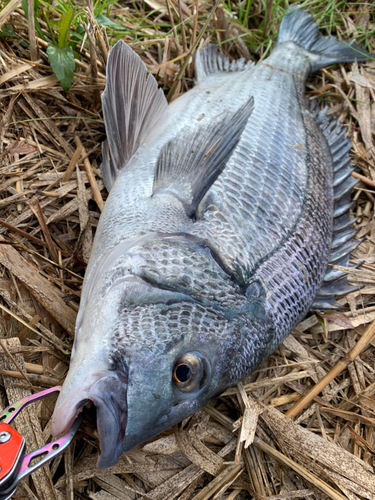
<point>364,341</point>
<point>94,185</point>
<point>31,25</point>
<point>7,10</point>
<point>364,179</point>
<point>90,31</point>
<point>73,163</point>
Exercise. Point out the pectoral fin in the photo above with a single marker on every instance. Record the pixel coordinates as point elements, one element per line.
<point>132,106</point>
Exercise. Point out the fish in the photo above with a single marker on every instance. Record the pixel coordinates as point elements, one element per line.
<point>226,208</point>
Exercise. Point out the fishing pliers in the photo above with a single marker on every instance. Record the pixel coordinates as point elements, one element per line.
<point>14,464</point>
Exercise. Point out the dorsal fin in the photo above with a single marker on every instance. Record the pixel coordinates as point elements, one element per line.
<point>334,282</point>
<point>190,163</point>
<point>209,60</point>
<point>132,107</point>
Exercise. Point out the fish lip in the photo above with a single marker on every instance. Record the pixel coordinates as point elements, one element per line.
<point>63,419</point>
<point>111,420</point>
<point>108,394</point>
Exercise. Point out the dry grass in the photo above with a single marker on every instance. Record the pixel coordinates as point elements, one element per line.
<point>256,441</point>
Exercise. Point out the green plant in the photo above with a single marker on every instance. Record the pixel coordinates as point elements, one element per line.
<point>61,56</point>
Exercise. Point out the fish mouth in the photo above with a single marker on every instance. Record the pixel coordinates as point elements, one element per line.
<point>108,394</point>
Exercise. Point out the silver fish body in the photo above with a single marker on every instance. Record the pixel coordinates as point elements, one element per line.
<point>189,288</point>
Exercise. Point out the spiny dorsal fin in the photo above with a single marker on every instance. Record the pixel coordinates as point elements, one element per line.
<point>132,107</point>
<point>209,60</point>
<point>189,164</point>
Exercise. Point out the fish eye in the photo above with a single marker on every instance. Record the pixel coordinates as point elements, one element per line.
<point>183,373</point>
<point>190,372</point>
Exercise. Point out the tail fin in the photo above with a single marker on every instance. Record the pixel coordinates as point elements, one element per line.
<point>299,27</point>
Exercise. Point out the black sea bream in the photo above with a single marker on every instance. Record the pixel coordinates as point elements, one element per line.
<point>225,209</point>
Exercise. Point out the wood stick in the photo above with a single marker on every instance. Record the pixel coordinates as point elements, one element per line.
<point>42,380</point>
<point>31,24</point>
<point>42,222</point>
<point>7,11</point>
<point>90,174</point>
<point>72,164</point>
<point>23,233</point>
<point>68,461</point>
<point>332,374</point>
<point>33,368</point>
<point>364,179</point>
<point>179,49</point>
<point>49,193</point>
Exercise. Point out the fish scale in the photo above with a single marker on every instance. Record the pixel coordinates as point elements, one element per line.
<point>275,193</point>
<point>173,265</point>
<point>225,211</point>
<point>307,246</point>
<point>268,200</point>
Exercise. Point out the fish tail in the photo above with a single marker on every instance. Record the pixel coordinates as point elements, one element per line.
<point>299,27</point>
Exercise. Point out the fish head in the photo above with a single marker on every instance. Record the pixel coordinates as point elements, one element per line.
<point>176,365</point>
<point>153,368</point>
<point>148,358</point>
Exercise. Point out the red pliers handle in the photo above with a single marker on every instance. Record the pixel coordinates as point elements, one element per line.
<point>14,464</point>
